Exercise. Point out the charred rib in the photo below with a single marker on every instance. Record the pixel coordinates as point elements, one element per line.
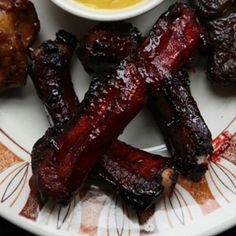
<point>186,134</point>
<point>50,73</point>
<point>105,45</point>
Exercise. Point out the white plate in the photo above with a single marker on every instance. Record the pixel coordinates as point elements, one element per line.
<point>195,209</point>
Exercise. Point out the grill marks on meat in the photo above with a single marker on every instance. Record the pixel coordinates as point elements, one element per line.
<point>171,42</point>
<point>50,73</point>
<point>62,159</point>
<point>222,61</point>
<point>213,8</point>
<point>187,136</point>
<point>105,45</point>
<point>19,26</point>
<point>139,177</point>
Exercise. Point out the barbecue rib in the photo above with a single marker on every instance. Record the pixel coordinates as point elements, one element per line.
<point>105,45</point>
<point>158,178</point>
<point>68,152</point>
<point>19,26</point>
<point>50,73</point>
<point>138,176</point>
<point>186,134</point>
<point>171,42</point>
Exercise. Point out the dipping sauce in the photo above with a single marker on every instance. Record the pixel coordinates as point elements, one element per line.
<point>109,4</point>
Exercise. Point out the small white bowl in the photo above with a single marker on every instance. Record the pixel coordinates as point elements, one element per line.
<point>106,15</point>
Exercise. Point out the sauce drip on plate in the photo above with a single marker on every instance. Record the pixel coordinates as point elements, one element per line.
<point>108,4</point>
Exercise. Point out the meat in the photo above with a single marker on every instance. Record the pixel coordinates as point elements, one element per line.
<point>19,26</point>
<point>50,73</point>
<point>138,176</point>
<point>105,45</point>
<point>186,134</point>
<point>62,159</point>
<point>213,8</point>
<point>67,153</point>
<point>172,41</point>
<point>222,61</point>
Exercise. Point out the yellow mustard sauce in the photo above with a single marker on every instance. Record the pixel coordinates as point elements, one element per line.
<point>109,4</point>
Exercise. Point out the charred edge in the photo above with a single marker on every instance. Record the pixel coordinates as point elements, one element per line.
<point>105,45</point>
<point>187,136</point>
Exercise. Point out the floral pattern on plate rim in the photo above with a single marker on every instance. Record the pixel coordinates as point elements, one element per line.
<point>98,211</point>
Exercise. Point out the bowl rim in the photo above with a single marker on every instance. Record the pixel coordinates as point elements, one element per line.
<point>99,15</point>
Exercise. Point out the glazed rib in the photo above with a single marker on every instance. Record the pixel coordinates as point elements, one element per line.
<point>106,44</point>
<point>67,153</point>
<point>139,177</point>
<point>186,134</point>
<point>151,169</point>
<point>50,73</point>
<point>172,41</point>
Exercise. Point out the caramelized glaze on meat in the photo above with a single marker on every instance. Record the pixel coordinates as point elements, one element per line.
<point>19,26</point>
<point>139,177</point>
<point>67,153</point>
<point>105,45</point>
<point>171,42</point>
<point>62,158</point>
<point>50,73</point>
<point>186,134</point>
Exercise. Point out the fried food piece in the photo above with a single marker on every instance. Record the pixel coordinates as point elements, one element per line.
<point>139,177</point>
<point>213,8</point>
<point>63,157</point>
<point>186,134</point>
<point>171,42</point>
<point>19,26</point>
<point>50,73</point>
<point>105,45</point>
<point>222,62</point>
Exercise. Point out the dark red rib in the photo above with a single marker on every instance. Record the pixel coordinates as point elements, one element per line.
<point>51,76</point>
<point>64,156</point>
<point>172,41</point>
